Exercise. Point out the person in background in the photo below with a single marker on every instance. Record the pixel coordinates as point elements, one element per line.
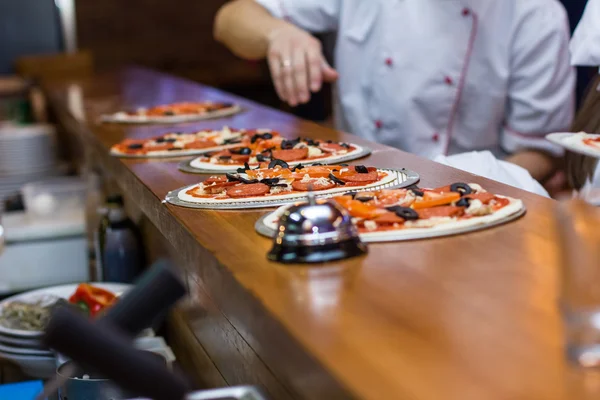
<point>585,45</point>
<point>430,77</point>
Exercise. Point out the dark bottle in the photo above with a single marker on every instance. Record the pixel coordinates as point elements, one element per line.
<point>119,249</point>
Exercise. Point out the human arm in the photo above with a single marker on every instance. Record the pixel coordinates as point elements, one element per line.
<point>258,29</point>
<point>541,92</point>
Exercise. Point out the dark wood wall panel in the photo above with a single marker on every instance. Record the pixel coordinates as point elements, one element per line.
<point>173,36</point>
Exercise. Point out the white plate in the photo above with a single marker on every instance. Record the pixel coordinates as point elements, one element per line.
<point>34,366</point>
<point>23,351</point>
<point>13,341</point>
<point>267,225</point>
<point>572,142</point>
<point>64,291</point>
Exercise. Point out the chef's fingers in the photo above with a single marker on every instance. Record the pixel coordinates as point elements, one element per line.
<point>300,75</point>
<point>314,59</point>
<point>274,59</point>
<point>328,73</point>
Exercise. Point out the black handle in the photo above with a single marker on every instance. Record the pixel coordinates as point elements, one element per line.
<point>155,292</point>
<point>110,353</point>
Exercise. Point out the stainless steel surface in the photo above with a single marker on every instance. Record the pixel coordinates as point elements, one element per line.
<point>234,392</point>
<point>187,167</point>
<point>265,229</point>
<point>402,178</point>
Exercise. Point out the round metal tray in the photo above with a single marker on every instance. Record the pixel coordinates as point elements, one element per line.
<point>186,166</point>
<point>266,230</point>
<point>403,178</point>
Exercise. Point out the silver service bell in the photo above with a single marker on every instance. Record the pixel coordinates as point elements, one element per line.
<point>315,232</point>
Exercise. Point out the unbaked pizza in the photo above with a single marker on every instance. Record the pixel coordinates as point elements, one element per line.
<point>583,143</point>
<point>175,144</point>
<point>174,113</point>
<point>293,152</point>
<point>404,214</point>
<point>279,181</point>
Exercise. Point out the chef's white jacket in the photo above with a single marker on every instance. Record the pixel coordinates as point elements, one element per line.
<point>446,76</point>
<point>585,45</point>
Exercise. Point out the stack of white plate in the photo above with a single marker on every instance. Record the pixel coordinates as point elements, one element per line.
<point>25,348</point>
<point>27,154</point>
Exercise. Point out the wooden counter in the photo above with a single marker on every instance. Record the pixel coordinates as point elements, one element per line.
<point>465,317</point>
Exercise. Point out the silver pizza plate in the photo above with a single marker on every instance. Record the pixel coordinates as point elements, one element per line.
<point>187,167</point>
<point>424,233</point>
<point>403,178</point>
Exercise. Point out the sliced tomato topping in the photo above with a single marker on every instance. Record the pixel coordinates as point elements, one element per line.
<point>291,154</point>
<point>269,173</point>
<point>441,211</point>
<point>217,188</point>
<point>249,190</point>
<point>331,147</point>
<point>201,144</point>
<point>215,179</point>
<point>389,218</point>
<point>314,184</point>
<point>433,199</point>
<point>484,197</point>
<point>358,209</point>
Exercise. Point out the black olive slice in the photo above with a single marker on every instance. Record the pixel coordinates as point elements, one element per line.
<point>242,150</point>
<point>464,202</point>
<point>363,198</point>
<point>179,133</point>
<point>247,181</point>
<point>297,167</point>
<point>135,146</point>
<point>224,157</point>
<point>267,136</point>
<point>461,188</point>
<point>270,181</point>
<point>244,169</point>
<point>289,144</point>
<point>361,169</point>
<point>345,145</point>
<point>329,141</point>
<point>343,165</point>
<point>336,180</point>
<point>279,185</point>
<point>407,214</point>
<point>255,138</point>
<point>277,162</point>
<point>233,141</point>
<point>171,140</point>
<point>353,194</point>
<point>160,140</point>
<point>174,148</point>
<point>261,158</point>
<point>316,164</point>
<point>417,192</point>
<point>169,113</point>
<point>232,177</point>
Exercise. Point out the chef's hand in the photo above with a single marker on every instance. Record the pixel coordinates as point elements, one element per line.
<point>297,64</point>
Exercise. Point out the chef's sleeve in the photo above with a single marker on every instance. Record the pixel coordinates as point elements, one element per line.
<point>541,88</point>
<point>312,15</point>
<point>585,44</point>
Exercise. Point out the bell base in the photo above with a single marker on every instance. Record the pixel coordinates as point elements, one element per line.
<point>317,254</point>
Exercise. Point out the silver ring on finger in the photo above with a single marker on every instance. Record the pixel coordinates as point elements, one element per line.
<point>287,63</point>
